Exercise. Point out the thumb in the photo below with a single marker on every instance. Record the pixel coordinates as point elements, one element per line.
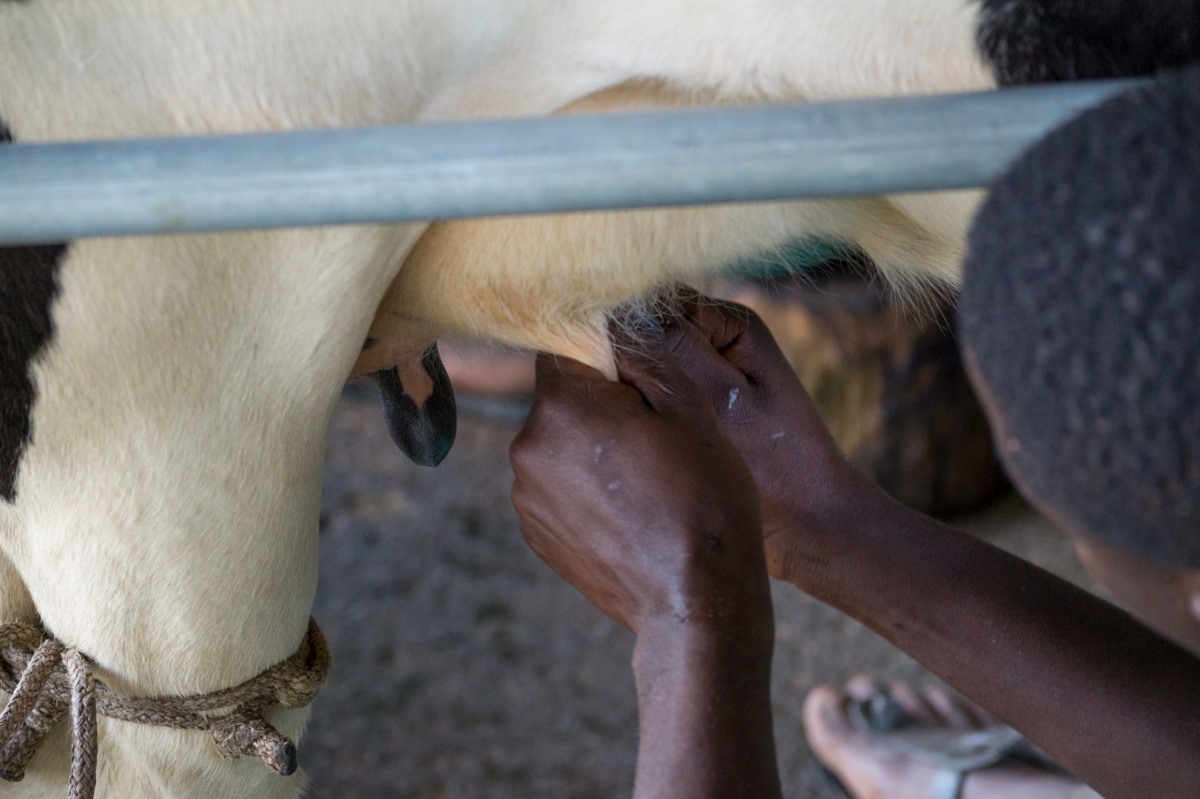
<point>646,363</point>
<point>738,335</point>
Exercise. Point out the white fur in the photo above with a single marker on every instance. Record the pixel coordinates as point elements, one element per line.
<point>166,512</point>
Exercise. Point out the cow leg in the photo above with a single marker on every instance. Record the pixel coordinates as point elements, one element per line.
<point>166,509</point>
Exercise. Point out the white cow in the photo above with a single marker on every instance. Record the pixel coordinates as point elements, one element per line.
<point>165,401</point>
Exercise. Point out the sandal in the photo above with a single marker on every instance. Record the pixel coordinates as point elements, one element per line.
<point>955,752</point>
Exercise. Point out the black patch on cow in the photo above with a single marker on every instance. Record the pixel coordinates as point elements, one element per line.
<point>1040,41</point>
<point>28,286</point>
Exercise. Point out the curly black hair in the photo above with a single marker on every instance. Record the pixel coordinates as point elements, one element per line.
<point>1034,41</point>
<point>1081,310</point>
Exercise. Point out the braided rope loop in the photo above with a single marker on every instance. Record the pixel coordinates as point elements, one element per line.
<point>18,740</point>
<point>47,682</point>
<point>83,725</point>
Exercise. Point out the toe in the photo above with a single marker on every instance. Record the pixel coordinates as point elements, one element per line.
<point>862,687</point>
<point>953,713</point>
<point>914,703</point>
<point>825,721</point>
<point>866,765</point>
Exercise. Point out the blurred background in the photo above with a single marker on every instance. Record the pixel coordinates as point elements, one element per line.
<point>463,667</point>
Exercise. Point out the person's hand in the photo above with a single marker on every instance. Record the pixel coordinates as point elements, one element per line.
<point>806,483</point>
<point>632,493</point>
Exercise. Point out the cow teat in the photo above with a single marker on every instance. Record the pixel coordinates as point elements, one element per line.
<point>418,404</point>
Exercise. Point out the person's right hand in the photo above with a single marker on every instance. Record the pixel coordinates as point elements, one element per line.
<point>632,493</point>
<point>805,482</point>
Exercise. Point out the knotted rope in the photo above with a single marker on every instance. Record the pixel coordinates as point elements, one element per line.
<point>48,681</point>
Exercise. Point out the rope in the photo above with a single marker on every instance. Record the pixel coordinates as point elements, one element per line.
<point>48,682</point>
<point>83,725</point>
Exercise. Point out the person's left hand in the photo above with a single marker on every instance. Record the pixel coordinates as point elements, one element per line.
<point>633,494</point>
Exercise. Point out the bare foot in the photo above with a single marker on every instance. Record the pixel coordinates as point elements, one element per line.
<point>871,769</point>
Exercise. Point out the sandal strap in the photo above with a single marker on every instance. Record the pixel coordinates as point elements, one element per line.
<point>949,749</point>
<point>947,784</point>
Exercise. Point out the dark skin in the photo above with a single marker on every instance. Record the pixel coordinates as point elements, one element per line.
<point>679,562</point>
<point>1113,702</point>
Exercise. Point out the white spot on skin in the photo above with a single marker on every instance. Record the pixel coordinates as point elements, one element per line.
<point>733,397</point>
<point>615,485</point>
<point>779,435</point>
<point>597,453</point>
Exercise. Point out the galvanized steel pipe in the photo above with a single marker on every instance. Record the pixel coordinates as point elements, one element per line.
<point>57,192</point>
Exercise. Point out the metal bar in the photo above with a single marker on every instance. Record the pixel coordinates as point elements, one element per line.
<point>63,191</point>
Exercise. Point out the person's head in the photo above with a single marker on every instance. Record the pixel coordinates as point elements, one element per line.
<point>1080,314</point>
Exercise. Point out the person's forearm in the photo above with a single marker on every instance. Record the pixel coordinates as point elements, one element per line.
<point>1115,703</point>
<point>705,712</point>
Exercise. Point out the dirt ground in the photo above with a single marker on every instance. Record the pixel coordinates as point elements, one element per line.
<point>465,668</point>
